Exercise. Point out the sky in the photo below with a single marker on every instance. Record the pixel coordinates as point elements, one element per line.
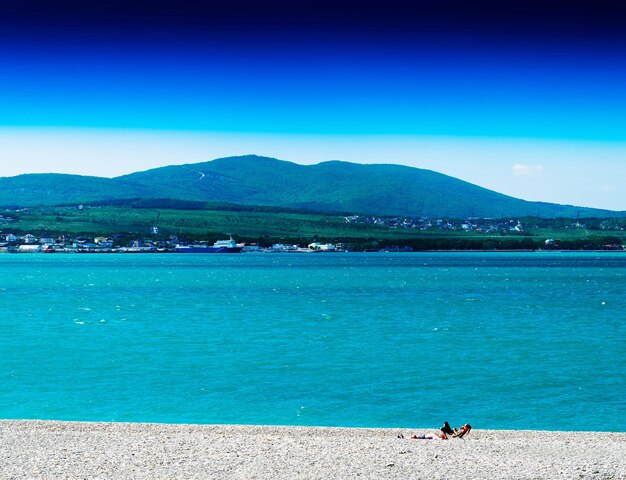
<point>525,98</point>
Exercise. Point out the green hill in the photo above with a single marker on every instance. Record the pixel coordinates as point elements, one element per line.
<point>342,187</point>
<point>39,189</point>
<point>326,187</point>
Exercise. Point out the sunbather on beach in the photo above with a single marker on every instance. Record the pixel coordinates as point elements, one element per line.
<point>461,432</point>
<point>430,436</point>
<point>445,431</point>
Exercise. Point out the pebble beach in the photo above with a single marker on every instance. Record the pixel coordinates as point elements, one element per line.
<point>81,450</point>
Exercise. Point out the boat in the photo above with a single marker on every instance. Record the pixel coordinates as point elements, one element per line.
<point>282,248</point>
<point>221,246</point>
<point>53,248</point>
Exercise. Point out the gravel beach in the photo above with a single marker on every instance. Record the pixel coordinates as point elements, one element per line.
<point>80,450</point>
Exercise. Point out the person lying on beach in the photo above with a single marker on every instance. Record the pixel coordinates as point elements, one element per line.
<point>445,431</point>
<point>430,436</point>
<point>460,432</point>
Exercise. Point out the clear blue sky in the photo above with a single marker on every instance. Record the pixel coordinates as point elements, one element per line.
<point>527,101</point>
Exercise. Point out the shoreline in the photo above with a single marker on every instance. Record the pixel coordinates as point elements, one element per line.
<point>58,449</point>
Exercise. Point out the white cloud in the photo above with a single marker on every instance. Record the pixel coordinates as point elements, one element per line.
<point>608,188</point>
<point>521,169</point>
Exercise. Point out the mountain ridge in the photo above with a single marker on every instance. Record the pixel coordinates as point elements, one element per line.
<point>331,186</point>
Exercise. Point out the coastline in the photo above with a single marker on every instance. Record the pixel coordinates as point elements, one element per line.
<point>40,449</point>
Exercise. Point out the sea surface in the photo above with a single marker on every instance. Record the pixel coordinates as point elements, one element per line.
<point>499,340</point>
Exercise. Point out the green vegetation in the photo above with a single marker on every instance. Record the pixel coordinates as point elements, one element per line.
<point>245,224</point>
<point>271,225</point>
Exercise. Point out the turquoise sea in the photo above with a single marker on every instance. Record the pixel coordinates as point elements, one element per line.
<point>499,340</point>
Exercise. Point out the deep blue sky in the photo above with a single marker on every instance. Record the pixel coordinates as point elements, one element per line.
<point>541,69</point>
<point>549,70</point>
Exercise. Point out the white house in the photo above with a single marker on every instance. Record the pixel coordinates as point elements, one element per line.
<point>29,248</point>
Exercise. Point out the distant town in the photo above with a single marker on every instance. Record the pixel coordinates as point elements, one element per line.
<point>484,225</point>
<point>10,243</point>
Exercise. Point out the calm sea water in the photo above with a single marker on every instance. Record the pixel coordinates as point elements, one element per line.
<point>502,340</point>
